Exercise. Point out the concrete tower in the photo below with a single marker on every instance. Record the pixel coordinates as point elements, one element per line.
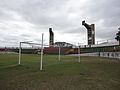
<point>90,32</point>
<point>51,37</point>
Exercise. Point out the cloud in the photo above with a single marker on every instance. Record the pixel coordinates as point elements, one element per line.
<point>27,19</point>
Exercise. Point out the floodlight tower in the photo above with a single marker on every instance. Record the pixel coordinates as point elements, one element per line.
<point>51,37</point>
<point>90,32</point>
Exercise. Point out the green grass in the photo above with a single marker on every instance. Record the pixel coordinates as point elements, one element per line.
<point>92,73</point>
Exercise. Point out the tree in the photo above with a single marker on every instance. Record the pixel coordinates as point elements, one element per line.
<point>118,36</point>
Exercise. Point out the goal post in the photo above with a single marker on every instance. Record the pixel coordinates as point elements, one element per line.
<point>41,61</point>
<point>20,49</point>
<point>78,53</point>
<point>28,42</point>
<point>59,55</point>
<point>19,53</point>
<point>41,45</point>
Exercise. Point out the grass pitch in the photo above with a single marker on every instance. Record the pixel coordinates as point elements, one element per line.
<point>92,73</point>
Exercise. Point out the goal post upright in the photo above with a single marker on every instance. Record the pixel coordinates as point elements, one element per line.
<point>59,53</point>
<point>78,53</point>
<point>41,61</point>
<point>20,49</point>
<point>19,53</point>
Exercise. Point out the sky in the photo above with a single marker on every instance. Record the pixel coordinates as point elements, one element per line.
<point>26,20</point>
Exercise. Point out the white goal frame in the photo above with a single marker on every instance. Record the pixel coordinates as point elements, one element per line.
<point>28,42</point>
<point>41,59</point>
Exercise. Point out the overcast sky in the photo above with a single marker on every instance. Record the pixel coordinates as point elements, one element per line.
<point>26,20</point>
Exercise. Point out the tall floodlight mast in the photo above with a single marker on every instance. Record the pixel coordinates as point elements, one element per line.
<point>90,32</point>
<point>51,37</point>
